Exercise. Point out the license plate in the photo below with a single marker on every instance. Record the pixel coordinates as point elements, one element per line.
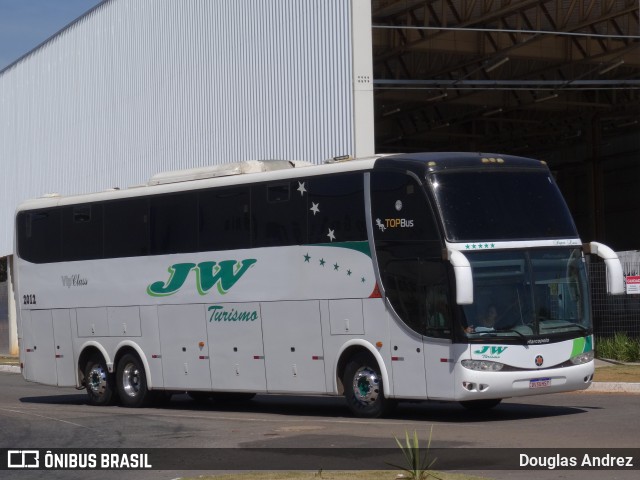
<point>540,383</point>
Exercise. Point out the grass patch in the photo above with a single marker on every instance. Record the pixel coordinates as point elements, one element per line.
<point>6,360</point>
<point>620,347</point>
<point>618,373</point>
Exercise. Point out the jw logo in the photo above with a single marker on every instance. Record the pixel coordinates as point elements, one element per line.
<point>222,275</point>
<point>492,352</point>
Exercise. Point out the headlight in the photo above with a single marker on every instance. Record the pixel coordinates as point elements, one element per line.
<point>585,357</point>
<point>482,365</point>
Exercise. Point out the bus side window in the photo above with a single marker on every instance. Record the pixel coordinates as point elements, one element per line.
<point>408,251</point>
<point>278,214</point>
<point>336,203</point>
<point>224,219</point>
<point>174,223</point>
<point>82,232</point>
<point>126,228</point>
<point>40,235</point>
<point>436,292</point>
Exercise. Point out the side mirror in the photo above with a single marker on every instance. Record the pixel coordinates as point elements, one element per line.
<point>464,278</point>
<point>615,275</point>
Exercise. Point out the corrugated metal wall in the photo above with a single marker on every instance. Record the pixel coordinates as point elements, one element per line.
<point>141,86</point>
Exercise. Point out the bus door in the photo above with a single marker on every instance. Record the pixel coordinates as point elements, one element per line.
<point>408,248</point>
<point>407,362</point>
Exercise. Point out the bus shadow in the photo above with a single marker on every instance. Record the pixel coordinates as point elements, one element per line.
<point>335,407</point>
<point>72,399</point>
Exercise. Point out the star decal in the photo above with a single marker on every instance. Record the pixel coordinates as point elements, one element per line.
<point>301,188</point>
<point>307,258</point>
<point>315,208</point>
<point>322,262</point>
<point>331,235</point>
<point>349,273</point>
<point>336,266</point>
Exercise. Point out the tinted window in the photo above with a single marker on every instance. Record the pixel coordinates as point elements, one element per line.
<point>279,213</point>
<point>336,207</point>
<point>501,205</point>
<point>82,232</point>
<point>39,235</point>
<point>400,211</point>
<point>408,250</point>
<point>174,223</point>
<point>224,219</point>
<point>126,228</point>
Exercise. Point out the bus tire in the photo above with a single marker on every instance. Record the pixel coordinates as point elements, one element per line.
<point>363,388</point>
<point>99,382</point>
<point>132,382</point>
<point>481,404</point>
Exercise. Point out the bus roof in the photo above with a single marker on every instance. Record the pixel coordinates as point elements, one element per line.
<point>254,171</point>
<point>454,160</point>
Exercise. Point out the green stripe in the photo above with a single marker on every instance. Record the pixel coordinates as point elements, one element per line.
<point>578,346</point>
<point>362,247</point>
<point>588,344</point>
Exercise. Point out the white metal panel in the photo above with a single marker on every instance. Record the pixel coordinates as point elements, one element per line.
<point>63,348</point>
<point>345,317</point>
<point>136,87</point>
<point>39,351</point>
<point>185,350</point>
<point>92,322</point>
<point>124,321</point>
<point>294,356</point>
<point>237,354</point>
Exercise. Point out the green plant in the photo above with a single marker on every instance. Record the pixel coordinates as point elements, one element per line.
<point>619,347</point>
<point>418,462</point>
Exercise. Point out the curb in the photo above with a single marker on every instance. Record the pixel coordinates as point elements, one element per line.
<point>614,387</point>
<point>10,368</point>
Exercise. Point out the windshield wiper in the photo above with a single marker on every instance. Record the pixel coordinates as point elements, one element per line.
<point>568,324</point>
<point>511,330</point>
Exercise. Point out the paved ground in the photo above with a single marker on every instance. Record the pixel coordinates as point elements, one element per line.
<point>39,416</point>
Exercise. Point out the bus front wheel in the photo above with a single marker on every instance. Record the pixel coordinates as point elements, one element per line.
<point>132,382</point>
<point>99,382</point>
<point>363,387</point>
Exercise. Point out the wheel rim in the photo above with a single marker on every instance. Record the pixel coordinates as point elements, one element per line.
<point>97,380</point>
<point>131,380</point>
<point>366,385</point>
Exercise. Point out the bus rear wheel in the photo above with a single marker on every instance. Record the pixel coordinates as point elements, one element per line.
<point>481,404</point>
<point>132,382</point>
<point>363,387</point>
<point>99,382</point>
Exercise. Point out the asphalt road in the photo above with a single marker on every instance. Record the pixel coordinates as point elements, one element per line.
<point>37,416</point>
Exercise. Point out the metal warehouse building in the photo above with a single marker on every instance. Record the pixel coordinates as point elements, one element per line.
<point>136,87</point>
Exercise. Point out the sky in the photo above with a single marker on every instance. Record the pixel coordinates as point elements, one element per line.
<point>25,24</point>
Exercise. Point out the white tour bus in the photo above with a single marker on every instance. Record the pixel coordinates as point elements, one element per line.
<point>439,276</point>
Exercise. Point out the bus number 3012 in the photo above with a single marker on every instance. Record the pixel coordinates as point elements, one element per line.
<point>29,299</point>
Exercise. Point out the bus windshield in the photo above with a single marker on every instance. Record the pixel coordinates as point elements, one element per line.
<point>501,205</point>
<point>526,293</point>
